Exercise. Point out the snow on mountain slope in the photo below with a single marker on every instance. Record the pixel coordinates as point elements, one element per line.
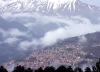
<point>24,5</point>
<point>46,6</point>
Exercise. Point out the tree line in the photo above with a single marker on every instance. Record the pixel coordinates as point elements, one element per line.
<point>61,68</point>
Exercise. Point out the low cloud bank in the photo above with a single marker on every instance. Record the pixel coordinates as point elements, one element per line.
<point>12,36</point>
<point>12,32</point>
<point>74,26</point>
<point>11,40</point>
<point>24,45</point>
<point>51,37</point>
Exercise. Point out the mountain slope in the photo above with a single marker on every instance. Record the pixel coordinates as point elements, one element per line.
<point>63,7</point>
<point>68,52</point>
<point>5,25</point>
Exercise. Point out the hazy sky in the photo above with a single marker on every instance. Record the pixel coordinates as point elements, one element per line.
<point>94,2</point>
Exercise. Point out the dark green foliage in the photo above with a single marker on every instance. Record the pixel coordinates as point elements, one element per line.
<point>69,69</point>
<point>52,69</point>
<point>29,70</point>
<point>39,70</point>
<point>94,69</point>
<point>61,69</point>
<point>77,69</point>
<point>35,71</point>
<point>19,69</point>
<point>2,69</point>
<point>98,65</point>
<point>87,69</point>
<point>49,69</point>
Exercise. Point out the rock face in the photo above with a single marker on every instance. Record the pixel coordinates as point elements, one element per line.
<point>62,7</point>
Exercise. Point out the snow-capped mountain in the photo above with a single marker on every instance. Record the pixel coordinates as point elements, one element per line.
<point>62,7</point>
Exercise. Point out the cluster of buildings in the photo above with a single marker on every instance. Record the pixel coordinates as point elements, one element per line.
<point>96,45</point>
<point>60,55</point>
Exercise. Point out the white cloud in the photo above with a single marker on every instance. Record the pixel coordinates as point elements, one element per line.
<point>82,39</point>
<point>11,40</point>
<point>24,45</point>
<point>29,25</point>
<point>6,15</point>
<point>51,37</point>
<point>39,17</point>
<point>74,26</point>
<point>10,36</point>
<point>12,32</point>
<point>3,32</point>
<point>16,32</point>
<point>72,30</point>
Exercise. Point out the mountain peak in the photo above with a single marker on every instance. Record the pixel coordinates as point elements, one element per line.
<point>62,7</point>
<point>30,4</point>
<point>58,3</point>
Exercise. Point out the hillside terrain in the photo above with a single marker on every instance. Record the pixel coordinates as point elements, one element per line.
<point>68,52</point>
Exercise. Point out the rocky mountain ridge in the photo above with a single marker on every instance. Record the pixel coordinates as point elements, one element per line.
<point>63,7</point>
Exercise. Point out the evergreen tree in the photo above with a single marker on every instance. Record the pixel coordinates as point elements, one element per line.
<point>19,69</point>
<point>98,65</point>
<point>61,69</point>
<point>40,70</point>
<point>29,70</point>
<point>87,69</point>
<point>51,69</point>
<point>2,69</point>
<point>69,69</point>
<point>35,70</point>
<point>94,69</point>
<point>77,69</point>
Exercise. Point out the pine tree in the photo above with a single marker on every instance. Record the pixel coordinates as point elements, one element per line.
<point>69,69</point>
<point>2,69</point>
<point>94,69</point>
<point>61,69</point>
<point>40,70</point>
<point>51,69</point>
<point>87,69</point>
<point>29,70</point>
<point>35,70</point>
<point>77,69</point>
<point>19,69</point>
<point>98,65</point>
